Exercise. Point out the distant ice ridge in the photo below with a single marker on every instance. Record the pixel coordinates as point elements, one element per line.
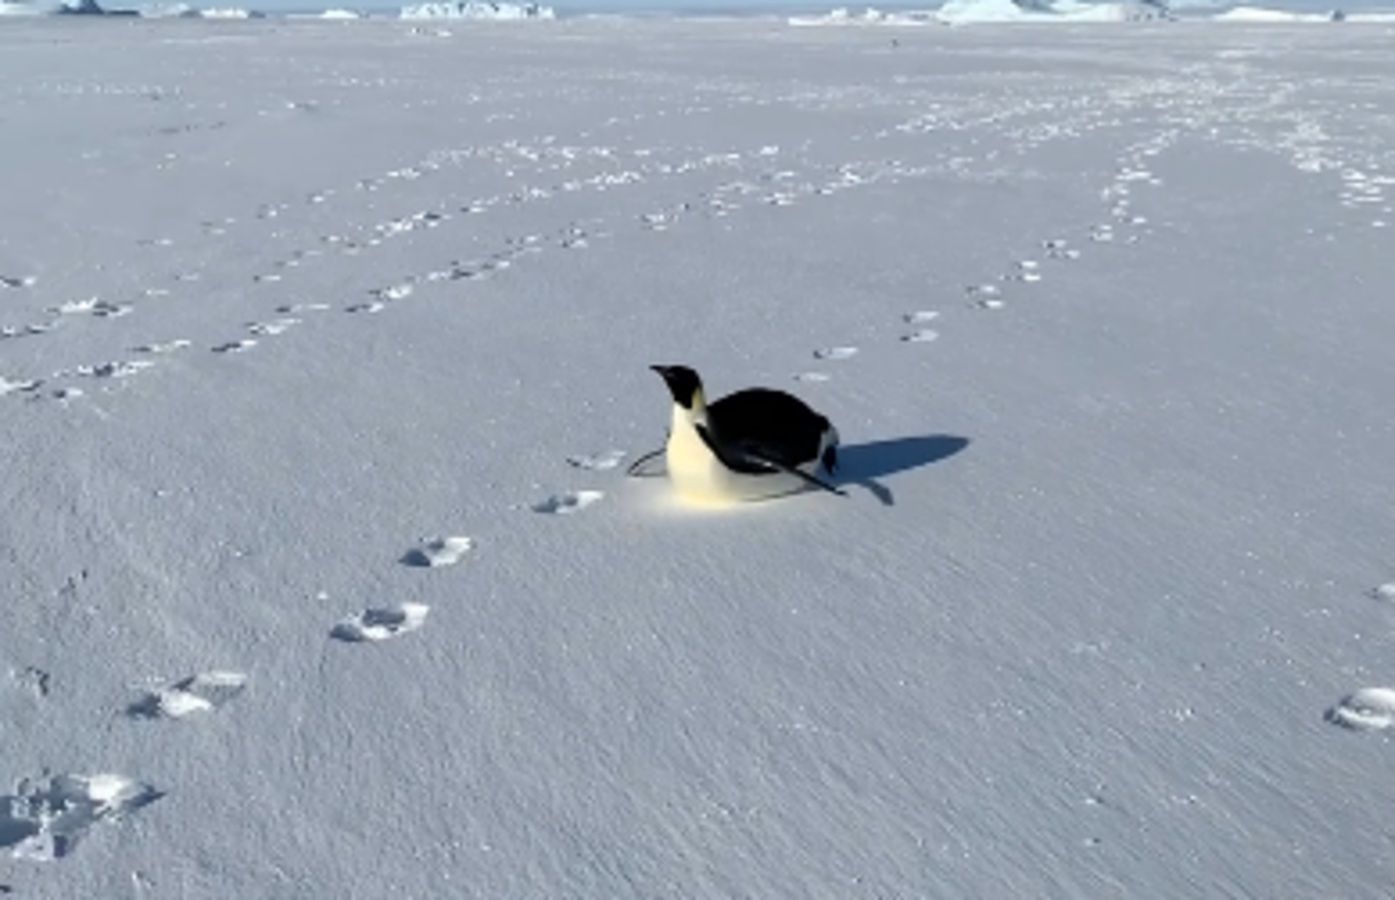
<point>167,11</point>
<point>331,14</point>
<point>968,12</point>
<point>478,9</point>
<point>870,16</point>
<point>227,12</point>
<point>1258,14</point>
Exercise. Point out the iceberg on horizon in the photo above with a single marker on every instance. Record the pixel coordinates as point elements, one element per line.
<point>1264,15</point>
<point>483,10</point>
<point>870,16</point>
<point>972,12</point>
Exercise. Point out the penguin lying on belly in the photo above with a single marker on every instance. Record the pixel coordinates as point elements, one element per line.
<point>750,445</point>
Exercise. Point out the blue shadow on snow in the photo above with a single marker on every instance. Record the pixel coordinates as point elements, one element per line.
<point>862,464</point>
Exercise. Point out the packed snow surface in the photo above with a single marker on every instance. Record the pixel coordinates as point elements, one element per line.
<point>324,350</point>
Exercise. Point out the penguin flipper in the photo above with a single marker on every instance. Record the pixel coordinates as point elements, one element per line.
<point>637,468</point>
<point>748,455</point>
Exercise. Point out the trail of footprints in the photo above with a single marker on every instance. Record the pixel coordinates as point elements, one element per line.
<point>774,187</point>
<point>574,235</point>
<point>45,819</point>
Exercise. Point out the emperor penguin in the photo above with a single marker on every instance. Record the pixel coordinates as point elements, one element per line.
<point>754,444</point>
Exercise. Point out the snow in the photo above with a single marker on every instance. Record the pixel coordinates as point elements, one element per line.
<point>1105,611</point>
<point>478,10</point>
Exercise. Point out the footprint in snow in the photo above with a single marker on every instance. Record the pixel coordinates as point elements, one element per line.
<point>163,347</point>
<point>1058,248</point>
<point>1369,709</point>
<point>835,353</point>
<point>272,328</point>
<point>303,308</point>
<point>203,692</point>
<point>380,624</point>
<point>985,296</point>
<point>236,346</point>
<point>920,317</point>
<point>1026,270</point>
<point>33,679</point>
<point>437,552</point>
<point>15,282</point>
<point>395,292</point>
<point>17,387</point>
<point>374,306</point>
<point>116,369</point>
<point>921,336</point>
<point>598,462</point>
<point>75,307</point>
<point>567,503</point>
<point>1384,592</point>
<point>811,377</point>
<point>45,820</point>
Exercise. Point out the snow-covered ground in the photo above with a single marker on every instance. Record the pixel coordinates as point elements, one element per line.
<point>325,349</point>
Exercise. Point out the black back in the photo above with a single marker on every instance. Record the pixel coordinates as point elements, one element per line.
<point>769,423</point>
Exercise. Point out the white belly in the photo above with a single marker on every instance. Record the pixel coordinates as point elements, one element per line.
<point>698,476</point>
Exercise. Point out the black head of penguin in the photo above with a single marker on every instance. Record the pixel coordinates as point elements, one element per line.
<point>683,383</point>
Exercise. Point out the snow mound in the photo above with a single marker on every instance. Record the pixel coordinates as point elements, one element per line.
<point>870,16</point>
<point>1369,709</point>
<point>478,10</point>
<point>976,12</point>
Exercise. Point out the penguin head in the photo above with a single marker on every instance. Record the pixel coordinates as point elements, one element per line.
<point>684,384</point>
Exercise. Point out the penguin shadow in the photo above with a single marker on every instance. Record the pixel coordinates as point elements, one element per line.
<point>863,464</point>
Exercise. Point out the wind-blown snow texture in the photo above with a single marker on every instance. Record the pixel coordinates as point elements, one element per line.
<point>1117,542</point>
